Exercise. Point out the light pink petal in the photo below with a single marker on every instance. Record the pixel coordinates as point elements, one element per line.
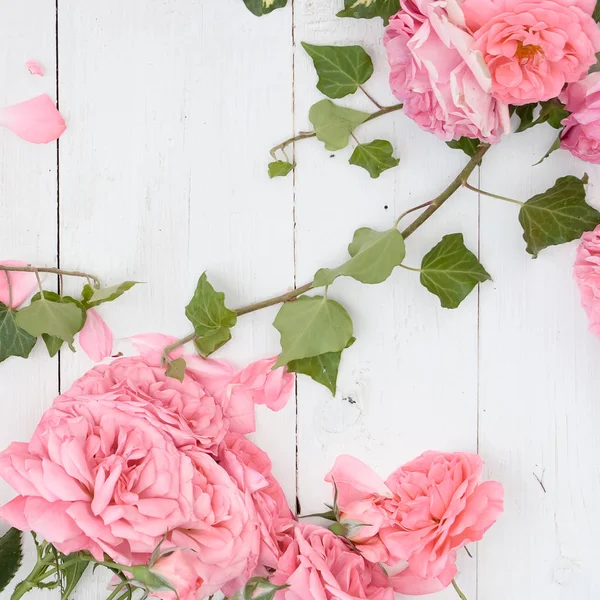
<point>409,583</point>
<point>35,120</point>
<point>22,284</point>
<point>34,67</point>
<point>151,346</point>
<point>96,338</point>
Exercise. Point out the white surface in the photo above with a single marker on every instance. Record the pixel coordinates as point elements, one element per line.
<point>171,109</point>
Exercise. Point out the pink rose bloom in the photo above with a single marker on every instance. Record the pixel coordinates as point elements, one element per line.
<point>439,75</point>
<point>422,514</point>
<point>533,47</point>
<point>250,468</point>
<point>587,276</point>
<point>179,569</point>
<point>320,565</point>
<point>581,135</point>
<point>22,284</point>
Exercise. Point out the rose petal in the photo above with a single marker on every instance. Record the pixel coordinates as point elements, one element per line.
<point>34,67</point>
<point>96,338</point>
<point>151,346</point>
<point>22,284</point>
<point>35,120</point>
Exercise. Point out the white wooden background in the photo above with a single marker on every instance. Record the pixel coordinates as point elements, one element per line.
<point>171,108</point>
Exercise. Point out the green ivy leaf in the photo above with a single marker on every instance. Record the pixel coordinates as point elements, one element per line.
<point>451,271</point>
<point>73,573</point>
<point>92,297</point>
<point>558,215</point>
<point>11,555</point>
<point>374,256</point>
<point>323,368</point>
<point>333,124</point>
<point>53,344</point>
<point>263,7</point>
<point>525,113</point>
<point>280,168</point>
<point>368,9</point>
<point>376,157</point>
<point>551,111</point>
<point>211,343</point>
<point>14,341</point>
<point>60,316</point>
<point>467,145</point>
<point>311,326</point>
<point>341,69</point>
<point>176,369</point>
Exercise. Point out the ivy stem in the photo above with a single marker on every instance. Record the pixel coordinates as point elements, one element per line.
<point>490,195</point>
<point>410,268</point>
<point>410,210</point>
<point>39,282</point>
<point>458,590</point>
<point>362,89</point>
<point>30,269</point>
<point>310,134</point>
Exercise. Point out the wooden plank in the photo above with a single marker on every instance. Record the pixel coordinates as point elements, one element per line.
<point>409,382</point>
<point>538,395</point>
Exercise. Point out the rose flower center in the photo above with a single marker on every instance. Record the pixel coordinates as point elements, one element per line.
<point>525,52</point>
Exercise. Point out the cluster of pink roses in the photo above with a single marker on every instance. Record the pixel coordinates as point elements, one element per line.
<point>459,65</point>
<point>128,460</point>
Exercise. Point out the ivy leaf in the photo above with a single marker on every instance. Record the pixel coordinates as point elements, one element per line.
<point>92,297</point>
<point>176,369</point>
<point>368,9</point>
<point>525,113</point>
<point>341,69</point>
<point>333,124</point>
<point>11,555</point>
<point>376,157</point>
<point>323,368</point>
<point>211,343</point>
<point>73,573</point>
<point>311,326</point>
<point>555,146</point>
<point>60,316</point>
<point>451,271</point>
<point>551,111</point>
<point>14,341</point>
<point>53,344</point>
<point>263,7</point>
<point>374,256</point>
<point>558,215</point>
<point>467,145</point>
<point>207,310</point>
<point>280,168</point>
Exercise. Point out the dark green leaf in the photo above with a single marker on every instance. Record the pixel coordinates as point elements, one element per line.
<point>92,297</point>
<point>53,344</point>
<point>374,256</point>
<point>11,555</point>
<point>368,9</point>
<point>176,369</point>
<point>555,146</point>
<point>526,115</point>
<point>596,13</point>
<point>451,271</point>
<point>467,145</point>
<point>595,67</point>
<point>280,168</point>
<point>551,111</point>
<point>558,215</point>
<point>73,573</point>
<point>341,69</point>
<point>211,343</point>
<point>333,124</point>
<point>263,7</point>
<point>14,341</point>
<point>311,326</point>
<point>323,368</point>
<point>376,157</point>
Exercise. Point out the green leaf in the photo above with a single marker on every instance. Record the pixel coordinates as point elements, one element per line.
<point>467,145</point>
<point>596,67</point>
<point>558,215</point>
<point>368,9</point>
<point>11,555</point>
<point>14,341</point>
<point>333,124</point>
<point>376,157</point>
<point>341,69</point>
<point>451,271</point>
<point>92,297</point>
<point>207,310</point>
<point>263,7</point>
<point>280,168</point>
<point>260,588</point>
<point>551,111</point>
<point>211,343</point>
<point>323,368</point>
<point>525,114</point>
<point>311,326</point>
<point>60,316</point>
<point>176,369</point>
<point>374,256</point>
<point>73,573</point>
<point>596,13</point>
<point>53,344</point>
<point>555,146</point>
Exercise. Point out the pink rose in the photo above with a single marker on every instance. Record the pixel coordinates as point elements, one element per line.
<point>422,514</point>
<point>179,569</point>
<point>581,135</point>
<point>319,564</point>
<point>439,75</point>
<point>533,47</point>
<point>587,276</point>
<point>96,338</point>
<point>22,284</point>
<point>250,468</point>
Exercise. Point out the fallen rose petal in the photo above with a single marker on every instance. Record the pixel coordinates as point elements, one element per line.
<point>22,284</point>
<point>96,338</point>
<point>151,346</point>
<point>35,120</point>
<point>34,67</point>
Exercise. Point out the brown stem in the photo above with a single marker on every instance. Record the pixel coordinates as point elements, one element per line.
<point>362,89</point>
<point>10,291</point>
<point>30,269</point>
